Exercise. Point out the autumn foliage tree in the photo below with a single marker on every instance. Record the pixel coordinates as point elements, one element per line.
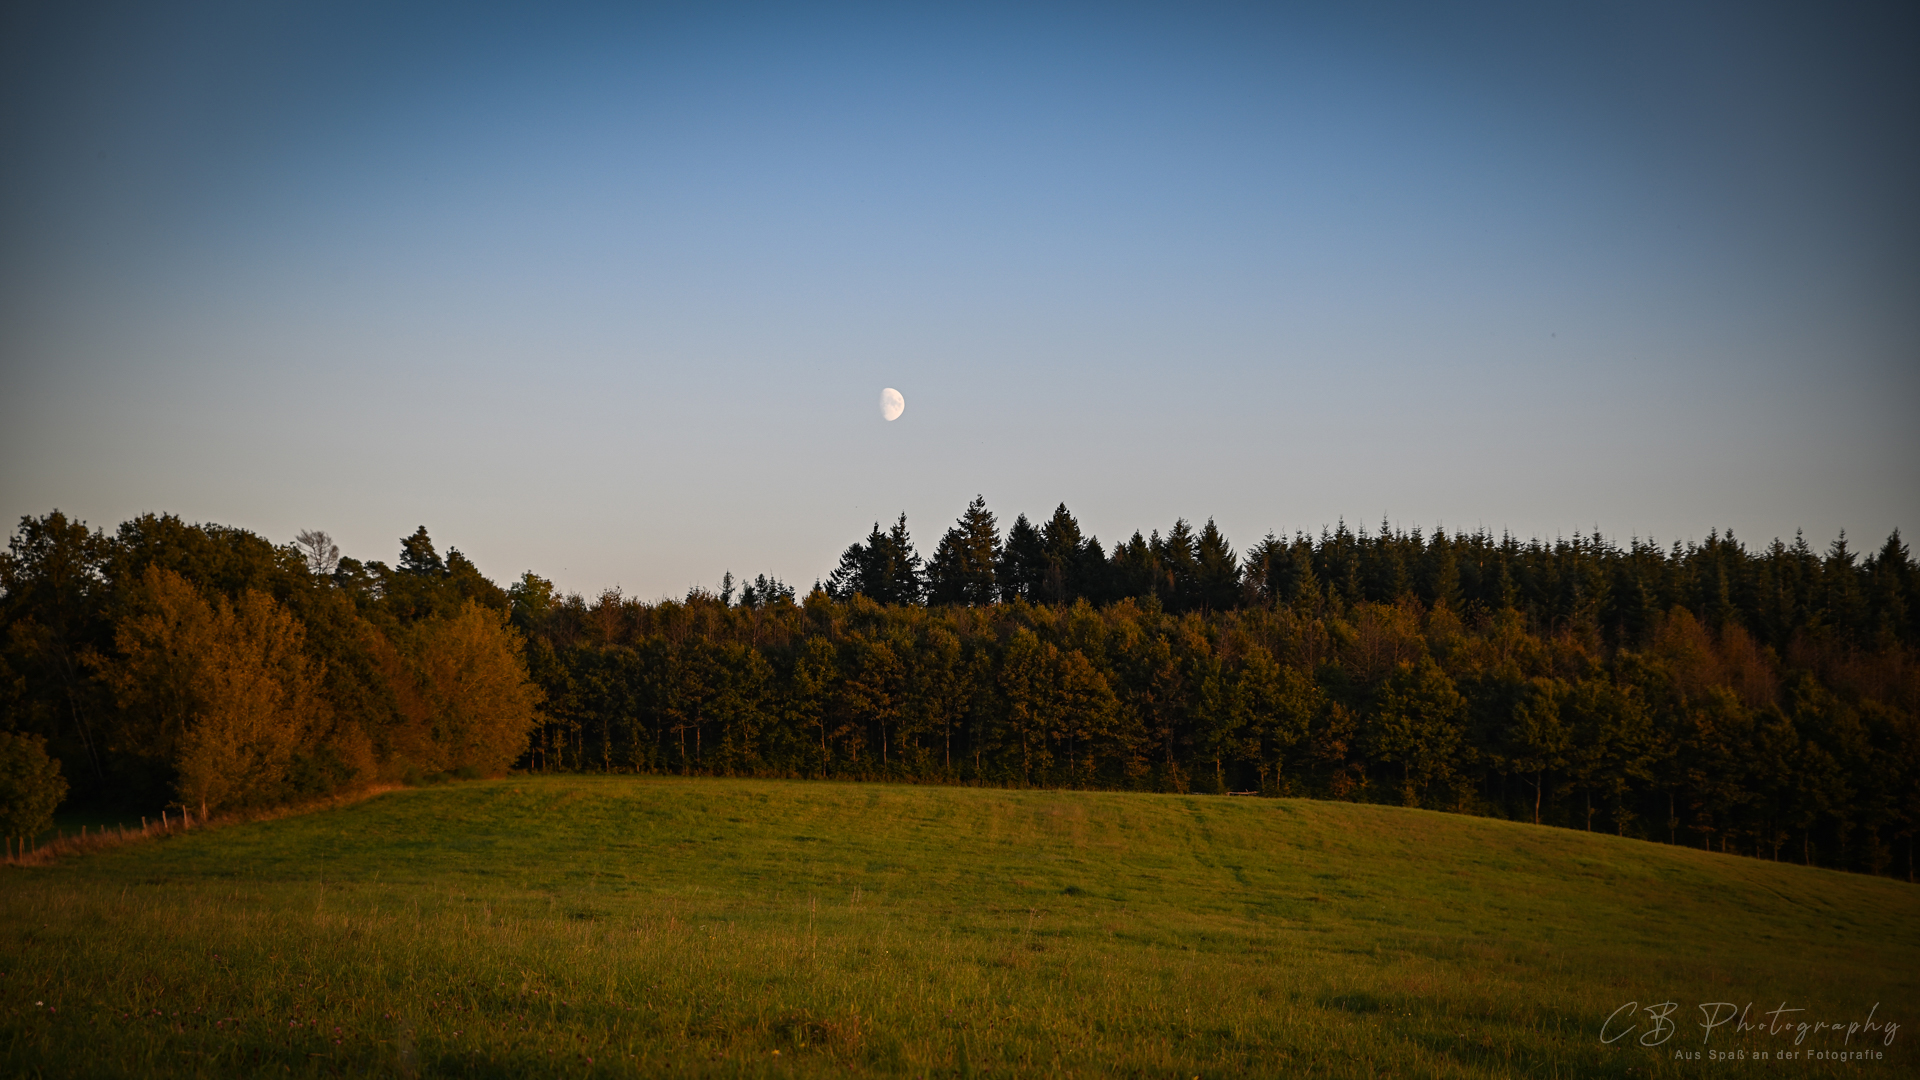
<point>481,703</point>
<point>207,666</point>
<point>221,689</point>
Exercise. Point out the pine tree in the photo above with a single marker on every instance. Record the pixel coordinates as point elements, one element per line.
<point>1093,577</point>
<point>418,557</point>
<point>1216,571</point>
<point>1386,564</point>
<point>1845,606</point>
<point>1890,579</point>
<point>885,569</point>
<point>1337,562</point>
<point>1180,567</point>
<point>962,568</point>
<point>904,581</point>
<point>1442,573</point>
<point>1265,563</point>
<point>1061,547</point>
<point>1303,591</point>
<point>764,590</point>
<point>1022,571</point>
<point>859,570</point>
<point>1135,569</point>
<point>418,586</point>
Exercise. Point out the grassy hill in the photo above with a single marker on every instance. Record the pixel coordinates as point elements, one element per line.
<point>650,926</point>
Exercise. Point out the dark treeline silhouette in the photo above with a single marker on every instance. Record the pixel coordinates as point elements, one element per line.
<point>1754,701</point>
<point>1775,594</point>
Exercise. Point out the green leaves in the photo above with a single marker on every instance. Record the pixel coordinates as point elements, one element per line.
<point>31,786</point>
<point>1417,723</point>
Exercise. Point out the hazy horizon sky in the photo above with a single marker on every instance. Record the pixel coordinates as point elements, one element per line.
<point>610,292</point>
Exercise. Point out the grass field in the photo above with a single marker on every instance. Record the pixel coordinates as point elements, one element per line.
<point>644,927</point>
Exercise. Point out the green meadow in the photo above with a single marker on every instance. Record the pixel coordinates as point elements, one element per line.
<point>628,926</point>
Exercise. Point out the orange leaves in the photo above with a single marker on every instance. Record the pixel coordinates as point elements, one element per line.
<point>471,675</point>
<point>223,690</point>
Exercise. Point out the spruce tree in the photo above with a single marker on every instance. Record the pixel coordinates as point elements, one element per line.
<point>1889,591</point>
<point>856,573</point>
<point>962,568</point>
<point>1180,568</point>
<point>1022,570</point>
<point>901,569</point>
<point>1060,546</point>
<point>1262,568</point>
<point>1303,587</point>
<point>1441,573</point>
<point>885,569</point>
<point>1093,578</point>
<point>1135,569</point>
<point>417,556</point>
<point>1216,570</point>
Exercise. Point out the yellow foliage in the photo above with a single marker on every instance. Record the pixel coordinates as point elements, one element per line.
<point>223,690</point>
<point>474,682</point>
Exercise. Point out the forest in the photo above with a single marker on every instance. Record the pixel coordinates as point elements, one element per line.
<point>1759,701</point>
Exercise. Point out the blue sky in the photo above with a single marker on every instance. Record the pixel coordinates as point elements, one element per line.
<point>610,293</point>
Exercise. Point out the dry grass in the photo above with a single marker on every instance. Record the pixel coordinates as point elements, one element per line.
<point>104,838</point>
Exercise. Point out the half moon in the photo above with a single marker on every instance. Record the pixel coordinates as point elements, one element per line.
<point>892,404</point>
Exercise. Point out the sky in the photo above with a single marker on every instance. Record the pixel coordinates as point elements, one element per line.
<point>610,292</point>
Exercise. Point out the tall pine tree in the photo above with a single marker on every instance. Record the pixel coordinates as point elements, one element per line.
<point>1022,572</point>
<point>962,568</point>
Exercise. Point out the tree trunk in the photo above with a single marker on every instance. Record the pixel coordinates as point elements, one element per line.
<point>86,733</point>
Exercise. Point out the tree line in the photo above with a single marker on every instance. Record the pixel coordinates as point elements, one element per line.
<point>206,667</point>
<point>1760,701</point>
<point>1774,593</point>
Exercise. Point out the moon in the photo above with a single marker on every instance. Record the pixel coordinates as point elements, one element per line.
<point>892,404</point>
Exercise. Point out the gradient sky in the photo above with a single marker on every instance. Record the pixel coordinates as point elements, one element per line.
<point>611,292</point>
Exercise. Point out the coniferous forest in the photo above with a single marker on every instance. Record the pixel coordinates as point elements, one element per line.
<point>1761,701</point>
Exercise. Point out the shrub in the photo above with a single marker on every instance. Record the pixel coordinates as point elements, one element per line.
<point>31,786</point>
